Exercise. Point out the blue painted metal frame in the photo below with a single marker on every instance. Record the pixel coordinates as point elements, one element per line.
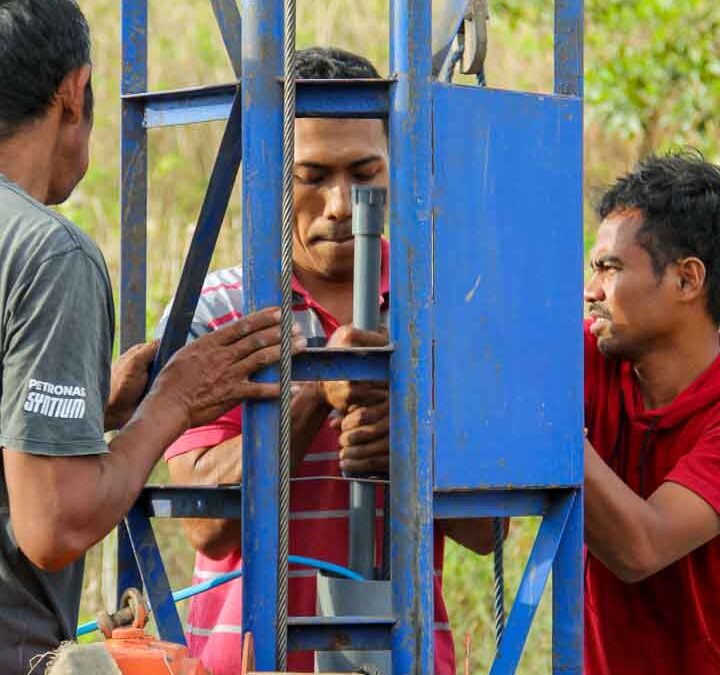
<point>228,19</point>
<point>202,246</point>
<point>262,67</point>
<point>411,364</point>
<point>411,404</point>
<point>133,160</point>
<point>315,98</point>
<point>154,577</point>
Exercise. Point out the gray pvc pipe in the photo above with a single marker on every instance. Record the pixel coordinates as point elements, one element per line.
<point>368,217</point>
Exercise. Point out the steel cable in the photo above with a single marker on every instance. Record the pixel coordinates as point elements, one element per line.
<point>286,265</point>
<point>499,537</point>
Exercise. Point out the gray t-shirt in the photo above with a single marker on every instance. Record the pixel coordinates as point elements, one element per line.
<point>56,335</point>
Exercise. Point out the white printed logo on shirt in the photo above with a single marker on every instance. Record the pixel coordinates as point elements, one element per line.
<point>55,400</point>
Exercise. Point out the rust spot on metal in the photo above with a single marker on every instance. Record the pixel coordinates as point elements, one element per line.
<point>341,641</point>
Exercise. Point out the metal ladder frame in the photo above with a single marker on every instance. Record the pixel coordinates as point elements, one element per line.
<point>406,100</point>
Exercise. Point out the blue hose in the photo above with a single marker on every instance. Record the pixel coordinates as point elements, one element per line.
<point>185,593</point>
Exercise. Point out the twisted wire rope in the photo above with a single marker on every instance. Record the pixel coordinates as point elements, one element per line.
<point>288,215</point>
<point>499,573</point>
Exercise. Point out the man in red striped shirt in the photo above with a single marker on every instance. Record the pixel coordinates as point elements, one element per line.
<point>330,156</point>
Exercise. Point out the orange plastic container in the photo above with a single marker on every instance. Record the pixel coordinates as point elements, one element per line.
<point>137,653</point>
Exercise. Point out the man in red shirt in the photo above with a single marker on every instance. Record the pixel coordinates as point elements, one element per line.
<point>652,410</point>
<point>330,156</point>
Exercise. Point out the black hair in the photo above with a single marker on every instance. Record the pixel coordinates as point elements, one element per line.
<point>331,63</point>
<point>678,196</point>
<point>41,41</point>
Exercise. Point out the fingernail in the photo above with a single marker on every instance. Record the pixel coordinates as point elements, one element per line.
<point>297,329</point>
<point>344,465</point>
<point>300,343</point>
<point>294,389</point>
<point>277,315</point>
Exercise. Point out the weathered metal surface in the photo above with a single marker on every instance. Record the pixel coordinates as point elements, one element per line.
<point>532,585</point>
<point>315,98</point>
<point>133,215</point>
<point>486,503</point>
<point>411,326</point>
<point>350,598</point>
<point>133,160</point>
<point>568,587</point>
<point>508,289</point>
<point>228,18</point>
<point>569,47</point>
<point>166,501</point>
<point>342,364</point>
<point>204,240</point>
<point>152,571</point>
<point>262,180</point>
<point>339,633</point>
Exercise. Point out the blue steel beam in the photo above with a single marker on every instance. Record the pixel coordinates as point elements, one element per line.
<point>568,587</point>
<point>152,571</point>
<point>411,414</point>
<point>316,98</point>
<point>133,219</point>
<point>342,364</point>
<point>228,18</point>
<point>338,633</point>
<point>133,160</point>
<point>176,501</point>
<point>569,47</point>
<point>487,503</point>
<point>204,239</point>
<point>532,585</point>
<point>262,65</point>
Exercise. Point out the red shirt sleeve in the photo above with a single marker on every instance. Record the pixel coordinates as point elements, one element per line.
<point>222,429</point>
<point>699,469</point>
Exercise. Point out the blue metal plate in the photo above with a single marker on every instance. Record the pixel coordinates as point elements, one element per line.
<point>508,289</point>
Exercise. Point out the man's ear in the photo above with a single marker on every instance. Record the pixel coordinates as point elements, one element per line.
<point>691,274</point>
<point>72,92</point>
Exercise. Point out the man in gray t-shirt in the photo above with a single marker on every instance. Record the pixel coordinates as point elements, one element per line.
<point>56,335</point>
<point>62,488</point>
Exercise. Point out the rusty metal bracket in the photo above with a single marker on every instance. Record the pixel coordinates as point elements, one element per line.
<point>132,611</point>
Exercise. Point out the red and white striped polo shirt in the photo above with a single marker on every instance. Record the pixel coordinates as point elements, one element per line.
<point>318,508</point>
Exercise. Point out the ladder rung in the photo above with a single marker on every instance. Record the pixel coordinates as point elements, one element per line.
<point>359,363</point>
<point>315,98</point>
<point>159,501</point>
<point>364,633</point>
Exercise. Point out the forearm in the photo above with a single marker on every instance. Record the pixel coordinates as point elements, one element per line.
<point>619,524</point>
<point>77,500</point>
<point>309,412</point>
<point>221,464</point>
<point>216,538</point>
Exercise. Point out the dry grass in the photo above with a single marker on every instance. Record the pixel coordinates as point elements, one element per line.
<point>185,50</point>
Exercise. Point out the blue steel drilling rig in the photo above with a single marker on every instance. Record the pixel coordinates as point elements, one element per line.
<point>484,363</point>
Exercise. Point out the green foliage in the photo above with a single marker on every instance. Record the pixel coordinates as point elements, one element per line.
<point>654,70</point>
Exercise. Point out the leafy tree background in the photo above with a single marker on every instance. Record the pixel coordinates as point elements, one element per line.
<point>652,76</point>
